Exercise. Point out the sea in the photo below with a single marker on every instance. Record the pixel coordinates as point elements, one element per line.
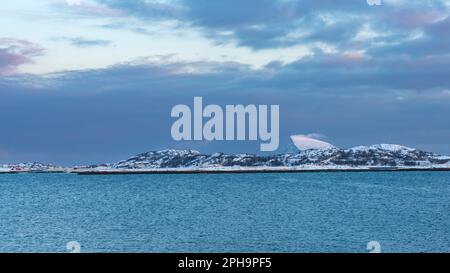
<point>265,212</point>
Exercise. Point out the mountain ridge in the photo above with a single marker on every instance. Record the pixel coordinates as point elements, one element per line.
<point>381,155</point>
<point>378,156</point>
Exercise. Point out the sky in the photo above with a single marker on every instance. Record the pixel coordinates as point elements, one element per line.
<point>94,81</point>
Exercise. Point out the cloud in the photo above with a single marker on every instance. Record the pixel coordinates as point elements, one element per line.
<point>84,8</point>
<point>150,10</point>
<point>14,52</point>
<point>264,24</point>
<point>105,115</point>
<point>321,74</point>
<point>316,136</point>
<point>83,42</point>
<point>433,40</point>
<point>375,75</point>
<point>303,142</point>
<point>257,24</point>
<point>272,24</point>
<point>73,2</point>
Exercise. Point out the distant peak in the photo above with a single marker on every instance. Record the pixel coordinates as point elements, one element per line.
<point>386,147</point>
<point>392,147</point>
<point>175,151</point>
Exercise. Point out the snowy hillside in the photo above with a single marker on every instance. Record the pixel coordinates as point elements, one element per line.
<point>332,158</point>
<point>382,155</point>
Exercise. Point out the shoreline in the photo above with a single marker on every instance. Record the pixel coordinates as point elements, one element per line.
<point>230,171</point>
<point>237,171</point>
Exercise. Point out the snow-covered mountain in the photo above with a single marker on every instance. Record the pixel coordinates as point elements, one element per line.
<point>362,157</point>
<point>382,155</point>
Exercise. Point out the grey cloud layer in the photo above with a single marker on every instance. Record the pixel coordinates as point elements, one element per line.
<point>393,87</point>
<point>109,114</point>
<point>262,24</point>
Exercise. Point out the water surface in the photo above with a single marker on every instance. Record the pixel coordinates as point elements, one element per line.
<point>291,212</point>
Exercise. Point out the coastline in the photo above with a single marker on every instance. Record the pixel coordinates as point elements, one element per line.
<point>231,170</point>
<point>255,170</point>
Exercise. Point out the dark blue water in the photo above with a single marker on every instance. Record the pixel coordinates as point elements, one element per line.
<point>303,212</point>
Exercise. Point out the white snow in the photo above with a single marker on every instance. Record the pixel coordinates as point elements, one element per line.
<point>392,147</point>
<point>323,156</point>
<point>387,147</point>
<point>5,170</point>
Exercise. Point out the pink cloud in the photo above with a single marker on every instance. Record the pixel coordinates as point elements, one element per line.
<point>351,57</point>
<point>14,53</point>
<point>308,142</point>
<point>408,18</point>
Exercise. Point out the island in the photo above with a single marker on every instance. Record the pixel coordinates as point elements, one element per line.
<point>381,157</point>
